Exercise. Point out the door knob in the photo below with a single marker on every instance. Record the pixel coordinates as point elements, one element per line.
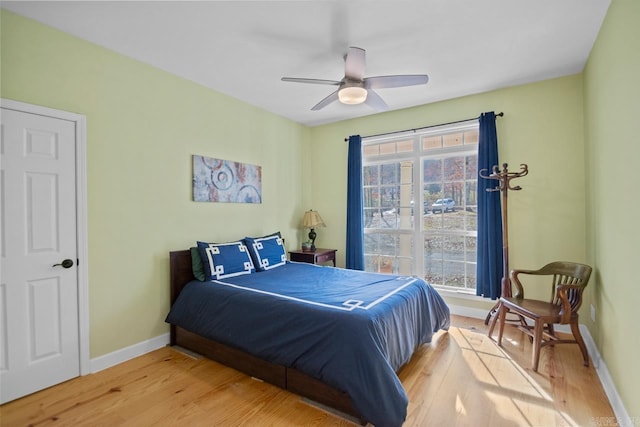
<point>67,263</point>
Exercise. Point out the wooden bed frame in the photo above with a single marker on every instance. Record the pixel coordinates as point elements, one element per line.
<point>287,378</point>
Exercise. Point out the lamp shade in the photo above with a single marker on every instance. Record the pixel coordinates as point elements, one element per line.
<point>352,94</point>
<point>312,219</point>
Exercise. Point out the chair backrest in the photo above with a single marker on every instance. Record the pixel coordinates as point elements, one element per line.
<point>568,273</point>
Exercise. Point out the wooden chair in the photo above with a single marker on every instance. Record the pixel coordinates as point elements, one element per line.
<point>568,282</point>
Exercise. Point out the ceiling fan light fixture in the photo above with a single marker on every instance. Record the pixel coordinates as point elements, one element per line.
<point>352,94</point>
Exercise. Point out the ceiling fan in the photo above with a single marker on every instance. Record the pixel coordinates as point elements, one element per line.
<point>354,88</point>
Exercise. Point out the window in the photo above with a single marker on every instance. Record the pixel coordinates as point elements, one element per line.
<point>420,206</point>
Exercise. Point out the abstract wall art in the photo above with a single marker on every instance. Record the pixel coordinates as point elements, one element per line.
<point>216,180</point>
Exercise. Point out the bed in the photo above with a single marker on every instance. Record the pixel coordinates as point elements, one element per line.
<point>333,335</point>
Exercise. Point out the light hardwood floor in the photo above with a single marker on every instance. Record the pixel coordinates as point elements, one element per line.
<point>461,378</point>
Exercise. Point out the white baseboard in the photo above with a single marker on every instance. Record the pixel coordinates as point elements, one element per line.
<point>127,353</point>
<point>474,313</point>
<point>622,416</point>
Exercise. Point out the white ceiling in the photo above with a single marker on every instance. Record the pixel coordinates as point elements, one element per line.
<point>243,48</point>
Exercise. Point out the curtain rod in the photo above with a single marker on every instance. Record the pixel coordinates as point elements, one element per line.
<point>500,114</point>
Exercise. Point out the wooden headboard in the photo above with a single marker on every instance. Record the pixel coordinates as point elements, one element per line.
<point>180,273</point>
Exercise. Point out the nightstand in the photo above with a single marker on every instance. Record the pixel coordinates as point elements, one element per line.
<point>318,257</point>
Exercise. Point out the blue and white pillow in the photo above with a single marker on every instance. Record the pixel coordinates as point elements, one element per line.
<point>222,260</point>
<point>267,252</point>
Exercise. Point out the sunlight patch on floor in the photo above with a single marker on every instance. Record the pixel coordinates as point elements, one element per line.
<point>515,393</point>
<point>460,406</point>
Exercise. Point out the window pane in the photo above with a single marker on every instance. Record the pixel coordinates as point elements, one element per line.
<point>454,221</point>
<point>370,263</point>
<point>385,264</point>
<point>471,257</point>
<point>471,250</point>
<point>371,150</point>
<point>370,175</point>
<point>432,170</point>
<point>470,219</point>
<point>453,248</point>
<point>433,221</point>
<point>471,195</point>
<point>471,167</point>
<point>471,137</point>
<point>367,217</point>
<point>454,274</point>
<point>432,192</point>
<point>388,244</point>
<point>390,197</point>
<point>453,191</point>
<point>384,218</point>
<point>431,142</point>
<point>371,243</point>
<point>433,259</point>
<point>389,173</point>
<point>370,197</point>
<point>405,146</point>
<point>471,276</point>
<point>388,148</point>
<point>454,168</point>
<point>452,139</point>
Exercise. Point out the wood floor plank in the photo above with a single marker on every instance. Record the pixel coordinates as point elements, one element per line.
<point>462,378</point>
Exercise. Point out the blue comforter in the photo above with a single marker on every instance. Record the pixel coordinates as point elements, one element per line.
<point>351,329</point>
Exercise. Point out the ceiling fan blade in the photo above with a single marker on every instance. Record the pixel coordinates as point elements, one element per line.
<point>313,81</point>
<point>354,64</point>
<point>381,82</point>
<point>375,101</point>
<point>328,100</point>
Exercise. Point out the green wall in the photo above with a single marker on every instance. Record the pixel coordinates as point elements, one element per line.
<point>542,127</point>
<point>143,125</point>
<point>612,111</point>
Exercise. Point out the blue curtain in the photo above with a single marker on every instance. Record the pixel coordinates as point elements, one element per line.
<point>489,267</point>
<point>355,231</point>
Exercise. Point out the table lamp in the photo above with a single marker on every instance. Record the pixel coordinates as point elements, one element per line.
<point>311,220</point>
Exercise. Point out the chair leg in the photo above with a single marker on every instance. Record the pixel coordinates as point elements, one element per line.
<point>551,329</point>
<point>578,337</point>
<point>494,319</point>
<point>537,341</point>
<point>503,317</point>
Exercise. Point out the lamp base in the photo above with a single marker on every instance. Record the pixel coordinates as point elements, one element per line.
<point>312,237</point>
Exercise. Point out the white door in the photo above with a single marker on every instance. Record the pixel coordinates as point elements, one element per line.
<point>39,341</point>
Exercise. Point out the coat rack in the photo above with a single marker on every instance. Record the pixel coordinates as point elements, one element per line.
<point>504,178</point>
